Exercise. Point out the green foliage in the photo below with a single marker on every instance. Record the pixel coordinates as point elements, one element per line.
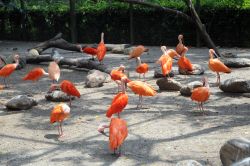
<point>101,5</point>
<point>85,6</point>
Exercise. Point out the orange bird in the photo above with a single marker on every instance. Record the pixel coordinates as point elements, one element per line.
<point>117,74</point>
<point>118,131</point>
<point>89,50</point>
<point>142,89</point>
<point>8,69</point>
<point>101,49</point>
<point>58,114</point>
<point>137,51</point>
<point>67,87</point>
<point>35,74</point>
<point>201,94</point>
<point>142,68</point>
<point>166,60</point>
<point>184,63</point>
<point>119,102</point>
<point>180,46</point>
<point>54,71</point>
<point>217,66</point>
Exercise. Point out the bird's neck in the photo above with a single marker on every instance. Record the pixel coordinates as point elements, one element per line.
<point>180,41</point>
<point>211,55</point>
<point>102,38</point>
<point>138,60</point>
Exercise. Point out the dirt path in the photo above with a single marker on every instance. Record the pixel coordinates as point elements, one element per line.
<point>165,133</point>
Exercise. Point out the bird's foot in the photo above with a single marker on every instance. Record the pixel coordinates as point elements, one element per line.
<point>61,135</point>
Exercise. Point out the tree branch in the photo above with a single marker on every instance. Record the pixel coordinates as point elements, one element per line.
<point>165,9</point>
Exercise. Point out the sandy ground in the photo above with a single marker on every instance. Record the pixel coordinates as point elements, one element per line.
<point>166,132</point>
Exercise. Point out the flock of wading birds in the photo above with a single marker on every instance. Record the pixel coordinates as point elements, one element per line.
<point>118,127</point>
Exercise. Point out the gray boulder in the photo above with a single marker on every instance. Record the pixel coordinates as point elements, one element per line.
<point>198,70</point>
<point>158,73</point>
<point>58,96</point>
<point>235,85</point>
<point>110,47</point>
<point>187,90</point>
<point>20,102</point>
<point>117,50</point>
<point>228,55</point>
<point>96,78</point>
<point>234,150</point>
<point>188,163</point>
<point>236,62</point>
<point>243,162</point>
<point>168,84</point>
<point>128,50</point>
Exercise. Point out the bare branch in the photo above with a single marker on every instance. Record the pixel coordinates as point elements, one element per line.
<point>165,9</point>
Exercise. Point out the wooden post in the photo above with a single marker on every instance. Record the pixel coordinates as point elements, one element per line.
<point>23,25</point>
<point>73,31</point>
<point>131,26</point>
<point>198,37</point>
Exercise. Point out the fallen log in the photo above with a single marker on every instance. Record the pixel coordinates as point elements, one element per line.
<point>70,62</point>
<point>58,42</point>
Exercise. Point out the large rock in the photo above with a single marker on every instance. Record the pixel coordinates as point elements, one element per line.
<point>187,90</point>
<point>20,102</point>
<point>236,62</point>
<point>243,162</point>
<point>33,53</point>
<point>22,61</point>
<point>96,78</point>
<point>228,55</point>
<point>198,70</point>
<point>168,84</point>
<point>128,50</point>
<point>234,150</point>
<point>158,73</point>
<point>235,85</point>
<point>110,47</point>
<point>188,163</point>
<point>58,96</point>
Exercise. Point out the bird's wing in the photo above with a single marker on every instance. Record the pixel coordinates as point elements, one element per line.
<point>118,132</point>
<point>54,71</point>
<point>218,66</point>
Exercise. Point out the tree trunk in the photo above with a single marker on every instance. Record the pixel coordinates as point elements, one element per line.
<point>131,23</point>
<point>58,42</point>
<point>198,38</point>
<point>201,27</point>
<point>193,19</point>
<point>76,63</point>
<point>73,30</point>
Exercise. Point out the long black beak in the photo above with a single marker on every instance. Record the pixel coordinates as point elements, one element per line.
<point>217,56</point>
<point>102,132</point>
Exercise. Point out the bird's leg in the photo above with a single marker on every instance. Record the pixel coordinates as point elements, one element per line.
<point>139,76</point>
<point>120,151</point>
<point>118,114</point>
<point>203,109</point>
<point>144,77</point>
<point>69,101</point>
<point>140,100</point>
<point>198,106</point>
<point>218,78</point>
<point>114,151</point>
<point>59,131</point>
<point>4,80</point>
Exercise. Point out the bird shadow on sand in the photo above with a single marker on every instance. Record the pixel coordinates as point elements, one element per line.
<point>202,113</point>
<point>52,136</point>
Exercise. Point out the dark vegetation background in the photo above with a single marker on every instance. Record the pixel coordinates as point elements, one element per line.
<point>227,21</point>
